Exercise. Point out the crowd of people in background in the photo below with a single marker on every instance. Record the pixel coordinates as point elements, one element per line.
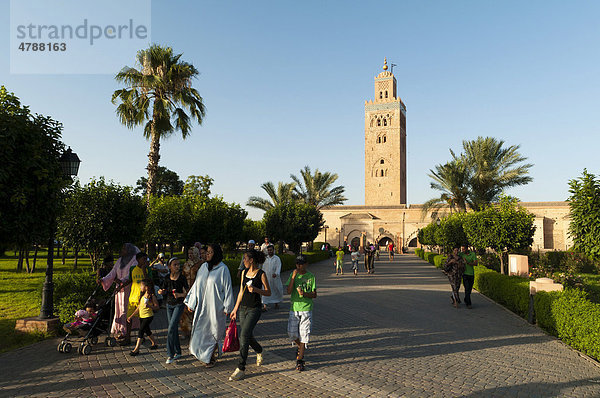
<point>199,297</point>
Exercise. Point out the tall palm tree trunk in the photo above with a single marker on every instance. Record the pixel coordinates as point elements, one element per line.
<point>153,158</point>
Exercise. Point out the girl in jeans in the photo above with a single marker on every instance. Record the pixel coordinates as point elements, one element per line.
<point>253,284</point>
<point>174,288</point>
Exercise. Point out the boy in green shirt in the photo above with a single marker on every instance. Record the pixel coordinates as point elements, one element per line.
<point>303,289</point>
<point>470,259</point>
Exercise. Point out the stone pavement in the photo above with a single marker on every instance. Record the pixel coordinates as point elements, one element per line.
<point>393,334</point>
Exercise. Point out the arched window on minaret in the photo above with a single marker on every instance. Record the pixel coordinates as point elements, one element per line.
<point>378,122</point>
<point>386,172</point>
<point>381,161</point>
<point>380,95</point>
<point>384,138</point>
<point>379,140</point>
<point>386,94</point>
<point>385,122</point>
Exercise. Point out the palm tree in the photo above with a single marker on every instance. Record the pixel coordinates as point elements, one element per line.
<point>159,92</point>
<point>280,195</point>
<point>316,189</point>
<point>493,168</point>
<point>452,180</point>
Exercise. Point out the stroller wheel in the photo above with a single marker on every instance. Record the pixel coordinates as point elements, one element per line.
<point>86,349</point>
<point>60,346</point>
<point>80,349</point>
<point>67,348</point>
<point>112,342</point>
<point>94,340</point>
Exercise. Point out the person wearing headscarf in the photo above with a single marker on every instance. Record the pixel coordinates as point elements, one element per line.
<point>190,268</point>
<point>454,268</point>
<point>210,299</point>
<point>120,275</point>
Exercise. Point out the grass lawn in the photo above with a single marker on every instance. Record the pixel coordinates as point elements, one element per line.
<point>20,294</point>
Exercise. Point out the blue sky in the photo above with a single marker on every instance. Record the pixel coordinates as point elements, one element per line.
<point>285,82</point>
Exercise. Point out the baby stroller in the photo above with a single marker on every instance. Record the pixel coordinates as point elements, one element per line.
<point>87,335</point>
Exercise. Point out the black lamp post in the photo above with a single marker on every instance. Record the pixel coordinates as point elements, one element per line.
<point>69,162</point>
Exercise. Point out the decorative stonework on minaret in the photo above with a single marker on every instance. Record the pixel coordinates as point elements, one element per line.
<point>385,144</point>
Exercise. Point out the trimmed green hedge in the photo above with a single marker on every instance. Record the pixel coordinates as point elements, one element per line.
<point>419,252</point>
<point>572,317</point>
<point>510,291</point>
<point>439,260</point>
<point>429,257</point>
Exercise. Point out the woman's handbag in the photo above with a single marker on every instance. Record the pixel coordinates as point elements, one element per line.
<point>232,342</point>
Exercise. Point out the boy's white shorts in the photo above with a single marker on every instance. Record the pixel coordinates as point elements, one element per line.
<point>299,325</point>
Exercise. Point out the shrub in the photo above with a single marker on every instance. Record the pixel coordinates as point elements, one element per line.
<point>419,252</point>
<point>71,291</point>
<point>577,321</point>
<point>317,246</point>
<point>542,304</point>
<point>510,291</point>
<point>429,257</point>
<point>439,260</point>
<point>490,261</point>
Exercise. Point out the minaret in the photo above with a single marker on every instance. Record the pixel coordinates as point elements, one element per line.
<point>385,144</point>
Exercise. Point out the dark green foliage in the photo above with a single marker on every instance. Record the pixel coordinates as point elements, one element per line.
<point>197,186</point>
<point>450,232</point>
<point>253,230</point>
<point>293,223</point>
<point>585,214</point>
<point>510,291</point>
<point>426,235</point>
<point>167,183</point>
<point>489,260</point>
<point>71,291</point>
<point>31,177</point>
<point>419,252</point>
<point>100,217</point>
<point>429,257</point>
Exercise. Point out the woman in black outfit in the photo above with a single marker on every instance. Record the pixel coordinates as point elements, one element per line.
<point>174,288</point>
<point>253,284</point>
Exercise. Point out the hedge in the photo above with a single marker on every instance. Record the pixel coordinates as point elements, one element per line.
<point>572,317</point>
<point>510,291</point>
<point>429,257</point>
<point>439,260</point>
<point>419,252</point>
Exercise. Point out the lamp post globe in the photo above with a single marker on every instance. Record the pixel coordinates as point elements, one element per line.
<point>69,162</point>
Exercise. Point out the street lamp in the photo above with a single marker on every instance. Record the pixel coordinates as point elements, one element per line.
<point>69,162</point>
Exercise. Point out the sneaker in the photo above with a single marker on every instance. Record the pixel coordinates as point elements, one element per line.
<point>176,357</point>
<point>259,359</point>
<point>237,375</point>
<point>169,360</point>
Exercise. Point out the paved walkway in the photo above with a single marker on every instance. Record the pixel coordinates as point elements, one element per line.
<point>393,333</point>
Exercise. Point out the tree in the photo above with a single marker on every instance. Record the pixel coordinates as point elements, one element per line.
<point>159,92</point>
<point>31,177</point>
<point>316,189</point>
<point>167,183</point>
<point>426,235</point>
<point>283,194</point>
<point>585,213</point>
<point>451,179</point>
<point>197,186</point>
<point>100,217</point>
<point>170,220</point>
<point>293,223</point>
<point>502,228</point>
<point>450,232</point>
<point>492,168</point>
<point>218,221</point>
<point>254,230</point>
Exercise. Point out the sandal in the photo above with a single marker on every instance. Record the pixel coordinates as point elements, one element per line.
<point>300,365</point>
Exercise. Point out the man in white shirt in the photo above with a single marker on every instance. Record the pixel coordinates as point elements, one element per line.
<point>272,270</point>
<point>264,246</point>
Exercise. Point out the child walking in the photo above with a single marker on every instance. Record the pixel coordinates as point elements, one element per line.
<point>148,304</point>
<point>339,261</point>
<point>303,289</point>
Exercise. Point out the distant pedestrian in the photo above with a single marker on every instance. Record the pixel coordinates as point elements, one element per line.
<point>454,268</point>
<point>354,256</point>
<point>370,258</point>
<point>272,268</point>
<point>107,264</point>
<point>264,246</point>
<point>302,287</point>
<point>339,261</point>
<point>470,259</point>
<point>253,286</point>
<point>241,267</point>
<point>174,288</point>
<point>145,309</point>
<point>391,250</point>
